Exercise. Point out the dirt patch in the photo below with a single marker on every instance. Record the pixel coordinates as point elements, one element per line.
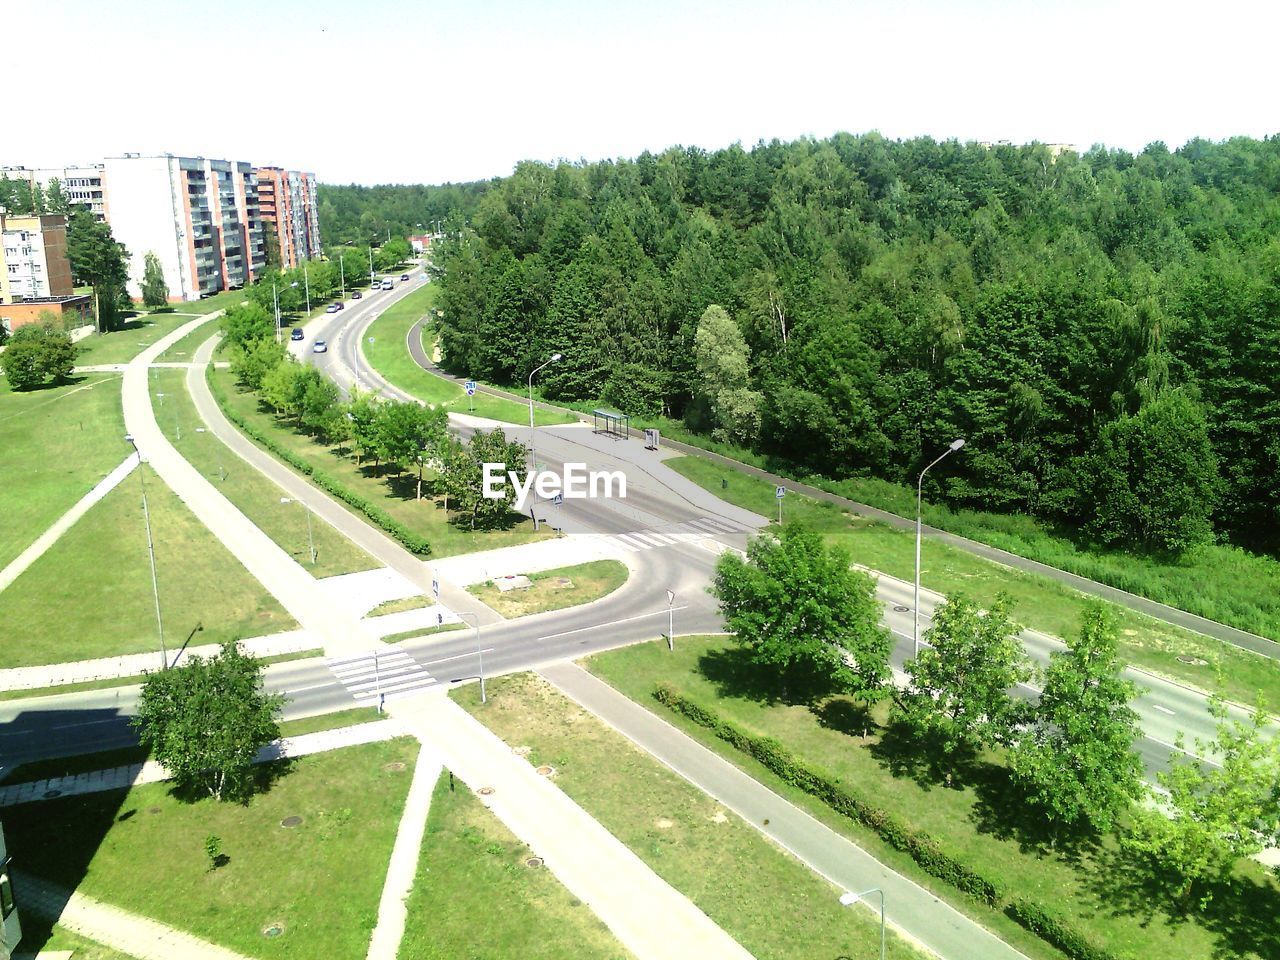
<point>662,823</point>
<point>718,817</point>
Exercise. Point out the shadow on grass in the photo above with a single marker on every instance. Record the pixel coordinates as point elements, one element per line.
<point>735,674</point>
<point>1240,914</point>
<point>70,381</point>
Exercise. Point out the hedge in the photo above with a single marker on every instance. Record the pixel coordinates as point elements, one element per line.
<point>921,847</point>
<point>410,540</point>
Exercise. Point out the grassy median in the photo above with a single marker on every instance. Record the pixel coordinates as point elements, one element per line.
<point>554,589</point>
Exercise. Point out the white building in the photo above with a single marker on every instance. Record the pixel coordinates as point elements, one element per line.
<point>81,184</point>
<point>33,257</point>
<point>199,217</point>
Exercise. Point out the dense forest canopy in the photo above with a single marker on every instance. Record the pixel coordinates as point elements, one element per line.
<point>353,214</point>
<point>1103,329</point>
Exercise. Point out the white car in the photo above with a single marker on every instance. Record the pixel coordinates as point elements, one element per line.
<point>319,347</point>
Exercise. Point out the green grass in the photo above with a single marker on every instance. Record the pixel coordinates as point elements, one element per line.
<point>395,494</point>
<point>142,850</point>
<point>56,444</point>
<point>470,862</point>
<point>389,355</point>
<point>257,497</point>
<point>90,594</point>
<point>400,606</point>
<point>1095,887</point>
<point>121,346</point>
<point>184,350</point>
<point>329,721</point>
<point>550,591</point>
<point>423,632</point>
<point>1039,603</point>
<point>761,896</point>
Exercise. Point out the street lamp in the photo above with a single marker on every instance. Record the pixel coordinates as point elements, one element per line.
<point>475,622</point>
<point>849,899</point>
<point>533,453</point>
<point>915,608</point>
<point>311,543</point>
<point>151,552</point>
<point>307,283</point>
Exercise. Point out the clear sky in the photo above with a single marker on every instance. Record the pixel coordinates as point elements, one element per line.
<point>393,91</point>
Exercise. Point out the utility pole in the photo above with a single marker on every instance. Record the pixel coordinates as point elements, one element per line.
<point>307,285</point>
<point>151,553</point>
<point>342,275</point>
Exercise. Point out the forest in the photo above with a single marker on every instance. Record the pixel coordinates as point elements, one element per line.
<point>1102,328</point>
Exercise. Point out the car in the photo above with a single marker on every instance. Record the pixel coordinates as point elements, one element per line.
<point>388,285</point>
<point>331,308</point>
<point>356,294</point>
<point>404,276</point>
<point>340,305</point>
<point>296,334</point>
<point>319,347</point>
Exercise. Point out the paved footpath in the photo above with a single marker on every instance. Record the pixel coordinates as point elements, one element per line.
<point>913,911</point>
<point>121,930</point>
<point>648,916</point>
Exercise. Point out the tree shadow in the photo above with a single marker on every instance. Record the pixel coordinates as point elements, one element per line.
<point>262,778</point>
<point>845,716</point>
<point>54,384</point>
<point>907,753</point>
<point>1001,809</point>
<point>736,674</point>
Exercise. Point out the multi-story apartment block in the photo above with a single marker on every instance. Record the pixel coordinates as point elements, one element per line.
<point>81,185</point>
<point>200,217</point>
<point>33,257</point>
<point>287,199</point>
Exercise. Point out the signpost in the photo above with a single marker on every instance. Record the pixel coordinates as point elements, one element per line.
<point>671,621</point>
<point>470,387</point>
<point>651,438</point>
<point>779,493</point>
<point>435,588</point>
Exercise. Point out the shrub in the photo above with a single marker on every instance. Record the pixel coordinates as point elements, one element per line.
<point>1057,932</point>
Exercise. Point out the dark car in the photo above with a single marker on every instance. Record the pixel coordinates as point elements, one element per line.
<point>340,305</point>
<point>404,276</point>
<point>356,294</point>
<point>296,334</point>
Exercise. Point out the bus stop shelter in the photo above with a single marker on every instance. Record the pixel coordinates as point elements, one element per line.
<point>611,423</point>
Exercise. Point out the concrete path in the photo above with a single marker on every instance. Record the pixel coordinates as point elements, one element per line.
<point>119,778</point>
<point>60,526</point>
<point>403,866</point>
<point>135,664</point>
<point>913,911</point>
<point>648,916</point>
<point>129,933</point>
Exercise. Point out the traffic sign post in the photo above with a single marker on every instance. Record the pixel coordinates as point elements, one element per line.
<point>671,621</point>
<point>470,387</point>
<point>435,588</point>
<point>779,493</point>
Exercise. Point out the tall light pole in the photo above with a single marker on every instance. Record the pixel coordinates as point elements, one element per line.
<point>151,553</point>
<point>311,543</point>
<point>475,622</point>
<point>915,607</point>
<point>848,899</point>
<point>371,264</point>
<point>307,284</point>
<point>342,276</point>
<point>275,296</point>
<point>533,453</point>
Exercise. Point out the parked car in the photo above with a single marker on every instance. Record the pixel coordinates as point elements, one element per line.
<point>356,294</point>
<point>331,308</point>
<point>319,347</point>
<point>404,276</point>
<point>296,334</point>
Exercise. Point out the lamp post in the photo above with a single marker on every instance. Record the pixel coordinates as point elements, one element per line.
<point>533,452</point>
<point>371,264</point>
<point>342,276</point>
<point>275,297</point>
<point>311,543</point>
<point>848,899</point>
<point>915,606</point>
<point>306,282</point>
<point>475,622</point>
<point>151,553</point>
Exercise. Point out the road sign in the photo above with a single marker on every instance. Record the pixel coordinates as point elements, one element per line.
<point>671,597</point>
<point>651,438</point>
<point>779,492</point>
<point>558,499</point>
<point>435,588</point>
<point>470,387</point>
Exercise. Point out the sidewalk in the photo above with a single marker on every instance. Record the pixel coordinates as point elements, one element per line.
<point>649,917</point>
<point>120,778</point>
<point>60,526</point>
<point>129,933</point>
<point>913,911</point>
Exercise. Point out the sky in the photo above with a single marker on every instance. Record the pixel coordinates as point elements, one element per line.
<point>385,91</point>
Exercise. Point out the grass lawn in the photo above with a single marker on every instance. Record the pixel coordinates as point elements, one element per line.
<point>1039,603</point>
<point>257,497</point>
<point>38,936</point>
<point>135,335</point>
<point>389,355</point>
<point>395,494</point>
<point>329,721</point>
<point>184,350</point>
<point>1094,885</point>
<point>320,881</point>
<point>470,862</point>
<point>90,594</point>
<point>423,632</point>
<point>400,606</point>
<point>555,589</point>
<point>57,444</point>
<point>760,895</point>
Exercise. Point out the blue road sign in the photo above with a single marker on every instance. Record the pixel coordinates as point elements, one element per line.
<point>470,387</point>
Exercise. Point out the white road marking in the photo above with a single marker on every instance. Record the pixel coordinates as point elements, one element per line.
<point>1156,706</point>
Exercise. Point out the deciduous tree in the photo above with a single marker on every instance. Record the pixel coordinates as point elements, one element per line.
<point>155,292</point>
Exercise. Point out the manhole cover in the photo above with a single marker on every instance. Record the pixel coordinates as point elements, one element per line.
<point>521,751</point>
<point>546,770</point>
<point>563,582</point>
<point>533,862</point>
<point>901,609</point>
<point>290,822</point>
<point>485,791</point>
<point>273,930</point>
<point>154,810</point>
<point>395,766</point>
<point>1193,661</point>
<point>50,794</point>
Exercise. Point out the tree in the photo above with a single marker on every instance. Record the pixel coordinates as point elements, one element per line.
<point>410,434</point>
<point>1076,763</point>
<point>97,260</point>
<point>723,364</point>
<point>361,412</point>
<point>462,475</point>
<point>243,324</point>
<point>961,682</point>
<point>800,610</point>
<point>1215,814</point>
<point>271,240</point>
<point>254,360</point>
<point>37,353</point>
<point>155,292</point>
<point>284,388</point>
<point>393,253</point>
<point>206,720</point>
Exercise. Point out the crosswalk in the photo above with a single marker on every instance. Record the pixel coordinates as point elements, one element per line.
<point>392,674</point>
<point>684,532</point>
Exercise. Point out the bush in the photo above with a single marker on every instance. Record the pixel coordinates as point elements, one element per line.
<point>1055,931</point>
<point>411,541</point>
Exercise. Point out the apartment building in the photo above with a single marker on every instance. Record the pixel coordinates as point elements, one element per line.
<point>33,257</point>
<point>287,201</point>
<point>200,217</point>
<point>80,185</point>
